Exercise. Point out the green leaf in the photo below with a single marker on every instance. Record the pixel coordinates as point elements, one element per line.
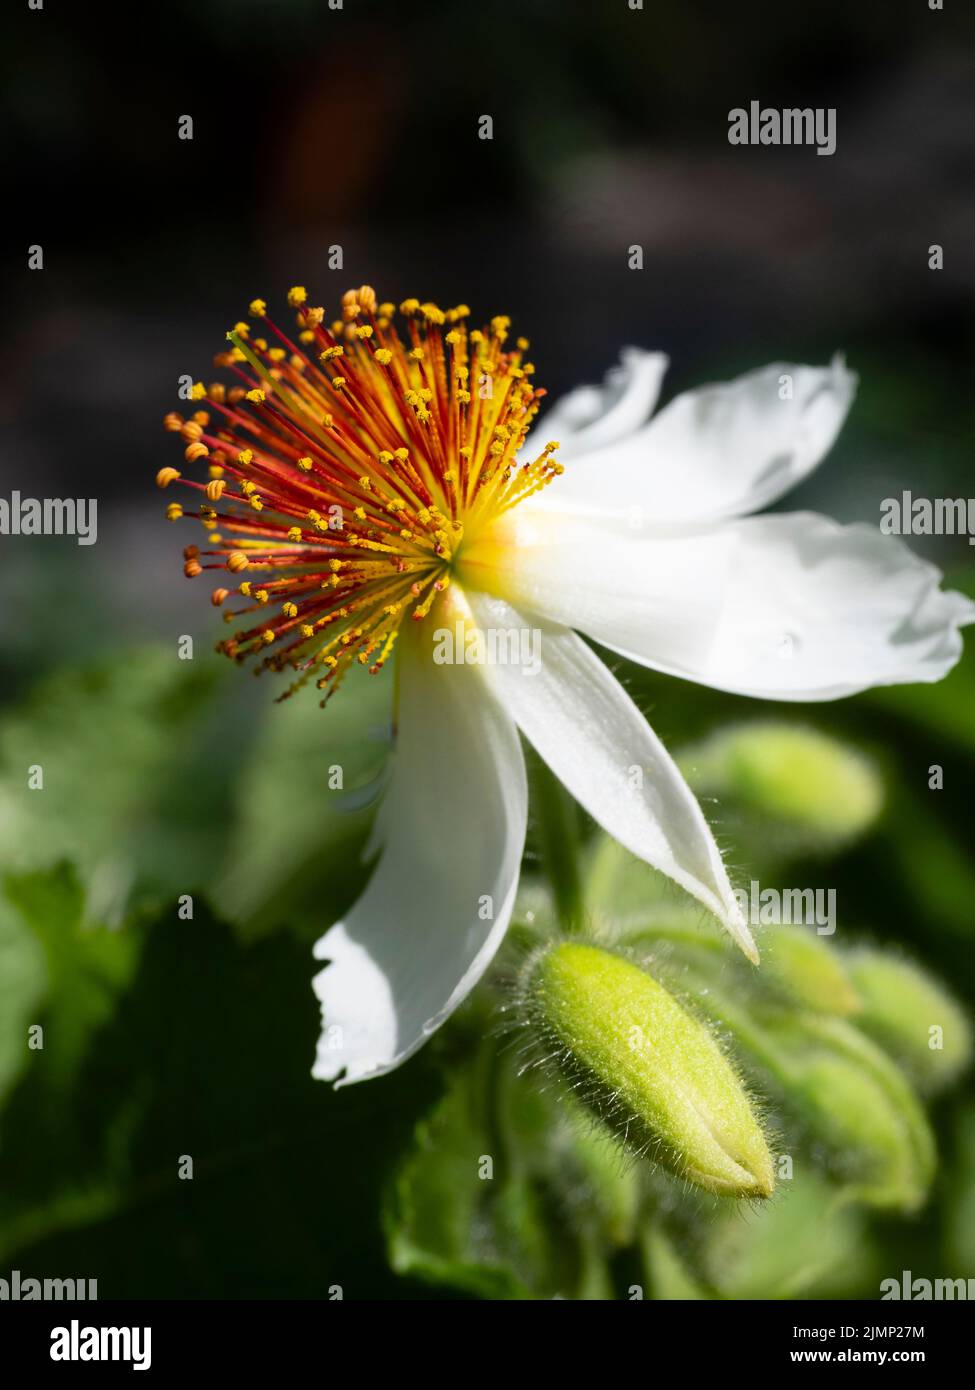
<point>120,746</point>
<point>206,1055</point>
<point>507,1193</point>
<point>807,1245</point>
<point>82,967</point>
<point>164,777</point>
<point>22,981</point>
<point>296,848</point>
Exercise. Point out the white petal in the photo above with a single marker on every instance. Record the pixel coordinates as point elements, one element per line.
<point>596,741</point>
<point>789,607</point>
<point>453,828</point>
<point>591,417</point>
<point>721,451</point>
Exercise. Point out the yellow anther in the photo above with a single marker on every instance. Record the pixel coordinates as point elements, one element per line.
<point>256,396</point>
<point>383,356</point>
<point>165,476</point>
<point>215,490</point>
<point>330,354</point>
<point>290,610</point>
<point>174,511</point>
<point>305,464</point>
<point>294,533</point>
<point>297,296</point>
<point>245,457</point>
<point>196,451</point>
<point>237,561</point>
<point>267,636</point>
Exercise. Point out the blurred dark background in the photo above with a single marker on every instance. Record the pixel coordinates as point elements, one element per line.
<point>358,127</point>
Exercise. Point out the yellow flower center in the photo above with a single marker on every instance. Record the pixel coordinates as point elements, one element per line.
<point>347,469</point>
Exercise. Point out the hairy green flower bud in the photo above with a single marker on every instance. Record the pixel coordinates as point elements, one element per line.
<point>808,971</point>
<point>866,1114</point>
<point>650,1069</point>
<point>912,1016</point>
<point>811,786</point>
<point>840,1091</point>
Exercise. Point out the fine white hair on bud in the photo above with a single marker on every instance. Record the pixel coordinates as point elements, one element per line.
<point>651,1070</point>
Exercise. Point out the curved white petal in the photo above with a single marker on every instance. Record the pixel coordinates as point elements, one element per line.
<point>452,827</point>
<point>596,741</point>
<point>789,607</point>
<point>721,451</point>
<point>591,417</point>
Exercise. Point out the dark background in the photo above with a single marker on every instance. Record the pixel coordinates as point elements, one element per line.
<point>359,127</point>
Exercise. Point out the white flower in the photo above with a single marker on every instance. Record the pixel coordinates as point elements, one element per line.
<point>647,544</point>
<point>365,496</point>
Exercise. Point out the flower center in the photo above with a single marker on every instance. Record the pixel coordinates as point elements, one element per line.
<point>347,470</point>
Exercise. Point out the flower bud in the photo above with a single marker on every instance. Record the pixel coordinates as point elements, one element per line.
<point>860,1108</point>
<point>912,1016</point>
<point>650,1069</point>
<point>811,973</point>
<point>850,1101</point>
<point>811,786</point>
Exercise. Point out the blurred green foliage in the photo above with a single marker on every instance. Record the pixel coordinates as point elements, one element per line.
<point>166,1037</point>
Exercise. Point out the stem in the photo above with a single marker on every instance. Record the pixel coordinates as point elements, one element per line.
<point>557,818</point>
